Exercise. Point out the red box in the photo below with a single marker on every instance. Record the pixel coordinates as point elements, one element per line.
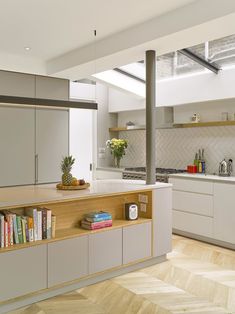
<point>192,169</point>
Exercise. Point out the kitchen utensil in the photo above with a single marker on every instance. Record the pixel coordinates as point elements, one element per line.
<point>225,168</point>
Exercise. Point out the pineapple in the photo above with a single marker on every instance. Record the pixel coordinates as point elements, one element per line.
<point>66,167</point>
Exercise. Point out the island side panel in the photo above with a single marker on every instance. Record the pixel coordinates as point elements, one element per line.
<point>162,221</point>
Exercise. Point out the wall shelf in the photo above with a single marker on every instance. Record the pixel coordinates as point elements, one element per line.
<point>124,128</point>
<point>203,124</point>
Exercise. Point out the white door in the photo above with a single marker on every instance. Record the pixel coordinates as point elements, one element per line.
<point>17,138</point>
<point>81,142</point>
<point>52,140</point>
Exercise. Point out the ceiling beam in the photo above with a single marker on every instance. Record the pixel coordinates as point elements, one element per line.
<point>129,75</point>
<point>200,60</point>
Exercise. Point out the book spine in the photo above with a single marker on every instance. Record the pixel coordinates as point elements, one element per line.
<point>35,224</point>
<point>6,233</point>
<point>39,224</point>
<point>53,225</point>
<point>96,225</point>
<point>48,224</point>
<point>98,219</point>
<point>23,230</point>
<point>97,215</point>
<point>26,229</point>
<point>2,231</point>
<point>44,224</point>
<point>19,229</point>
<point>30,229</point>
<point>11,229</point>
<point>15,232</point>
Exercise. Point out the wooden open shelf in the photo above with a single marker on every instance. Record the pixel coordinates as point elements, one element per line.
<point>70,213</point>
<point>203,124</point>
<point>124,128</point>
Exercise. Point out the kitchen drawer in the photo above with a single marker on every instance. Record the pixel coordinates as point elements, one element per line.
<point>196,224</point>
<point>189,185</point>
<point>200,204</point>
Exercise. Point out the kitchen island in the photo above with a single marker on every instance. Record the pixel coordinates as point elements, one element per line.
<point>77,257</point>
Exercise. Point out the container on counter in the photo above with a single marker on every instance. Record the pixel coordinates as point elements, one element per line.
<point>192,169</point>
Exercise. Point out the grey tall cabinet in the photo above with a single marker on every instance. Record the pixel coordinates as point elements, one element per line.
<point>32,141</point>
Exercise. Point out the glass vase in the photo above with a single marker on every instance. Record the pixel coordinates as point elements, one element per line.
<point>117,161</point>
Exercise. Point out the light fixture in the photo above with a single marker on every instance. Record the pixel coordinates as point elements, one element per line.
<point>27,48</point>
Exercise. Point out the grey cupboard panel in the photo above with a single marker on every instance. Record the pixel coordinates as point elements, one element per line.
<point>23,271</point>
<point>52,88</point>
<point>52,143</point>
<point>17,143</point>
<point>105,250</point>
<point>136,242</point>
<point>17,84</point>
<point>67,260</point>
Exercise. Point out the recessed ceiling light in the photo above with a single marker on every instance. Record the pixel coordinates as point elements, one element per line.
<point>27,48</point>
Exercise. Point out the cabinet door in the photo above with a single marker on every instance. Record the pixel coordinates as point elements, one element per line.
<point>52,88</point>
<point>17,84</point>
<point>17,138</point>
<point>136,242</point>
<point>52,138</point>
<point>67,260</point>
<point>105,250</point>
<point>224,212</point>
<point>23,271</point>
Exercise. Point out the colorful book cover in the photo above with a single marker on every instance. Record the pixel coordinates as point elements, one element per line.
<point>23,229</point>
<point>15,232</point>
<point>99,214</point>
<point>96,225</point>
<point>32,212</point>
<point>30,229</point>
<point>2,239</point>
<point>8,217</point>
<point>44,223</point>
<point>53,225</point>
<point>48,224</point>
<point>39,224</point>
<point>19,228</point>
<point>98,219</point>
<point>5,233</point>
<point>26,228</point>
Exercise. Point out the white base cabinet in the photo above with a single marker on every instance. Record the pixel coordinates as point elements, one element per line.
<point>224,212</point>
<point>67,260</point>
<point>105,250</point>
<point>136,242</point>
<point>23,271</point>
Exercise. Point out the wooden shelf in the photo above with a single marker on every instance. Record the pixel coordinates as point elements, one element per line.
<point>203,124</point>
<point>124,128</point>
<point>68,233</point>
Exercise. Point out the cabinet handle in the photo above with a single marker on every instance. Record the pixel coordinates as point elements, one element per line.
<point>36,168</point>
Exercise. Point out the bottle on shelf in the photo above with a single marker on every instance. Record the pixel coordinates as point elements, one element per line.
<point>199,161</point>
<point>196,161</point>
<point>203,162</point>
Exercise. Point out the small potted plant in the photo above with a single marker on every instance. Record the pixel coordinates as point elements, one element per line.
<point>118,149</point>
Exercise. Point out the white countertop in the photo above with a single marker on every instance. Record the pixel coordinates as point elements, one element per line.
<point>200,176</point>
<point>35,194</point>
<point>110,169</point>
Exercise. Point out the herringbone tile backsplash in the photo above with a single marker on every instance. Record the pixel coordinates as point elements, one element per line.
<point>176,148</point>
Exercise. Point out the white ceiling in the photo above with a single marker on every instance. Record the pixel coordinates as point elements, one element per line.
<point>60,32</point>
<point>53,27</point>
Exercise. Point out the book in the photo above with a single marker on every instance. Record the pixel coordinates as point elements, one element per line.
<point>32,212</point>
<point>96,225</point>
<point>100,214</point>
<point>26,228</point>
<point>8,217</point>
<point>44,223</point>
<point>97,219</point>
<point>23,229</point>
<point>48,224</point>
<point>30,229</point>
<point>5,233</point>
<point>19,228</point>
<point>53,225</point>
<point>39,224</point>
<point>2,226</point>
<point>15,231</point>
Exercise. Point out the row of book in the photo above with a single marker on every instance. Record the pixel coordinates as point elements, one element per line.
<point>34,225</point>
<point>97,220</point>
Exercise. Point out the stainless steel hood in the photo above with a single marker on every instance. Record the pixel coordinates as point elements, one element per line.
<point>48,102</point>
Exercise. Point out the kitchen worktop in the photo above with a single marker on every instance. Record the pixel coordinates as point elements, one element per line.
<point>110,169</point>
<point>35,194</point>
<point>200,176</point>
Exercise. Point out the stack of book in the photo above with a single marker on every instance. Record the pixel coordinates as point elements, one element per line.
<point>36,224</point>
<point>97,220</point>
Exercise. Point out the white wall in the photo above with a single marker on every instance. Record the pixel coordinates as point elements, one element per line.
<point>120,101</point>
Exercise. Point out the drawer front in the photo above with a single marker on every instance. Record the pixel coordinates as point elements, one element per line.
<point>23,271</point>
<point>196,224</point>
<point>67,260</point>
<point>136,242</point>
<point>189,185</point>
<point>200,204</point>
<point>105,250</point>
